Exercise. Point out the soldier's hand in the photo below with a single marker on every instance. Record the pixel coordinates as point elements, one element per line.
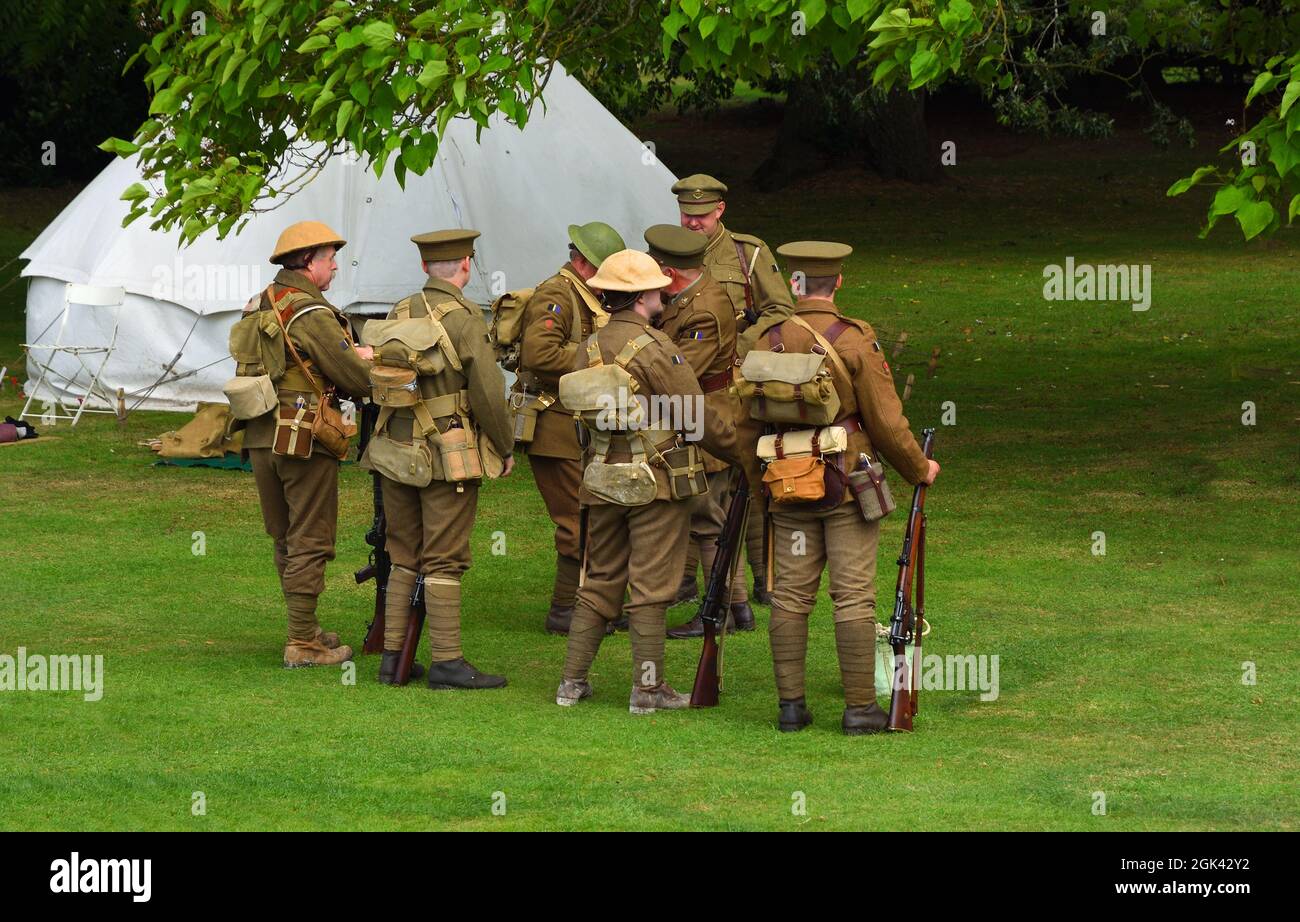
<point>365,352</point>
<point>510,466</point>
<point>934,472</point>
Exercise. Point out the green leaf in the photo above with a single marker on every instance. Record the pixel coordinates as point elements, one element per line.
<point>458,90</point>
<point>1229,199</point>
<point>1254,217</point>
<point>893,19</point>
<point>690,7</point>
<point>707,25</point>
<point>341,119</point>
<point>813,10</point>
<point>426,19</point>
<point>1282,154</point>
<point>315,43</point>
<point>859,8</point>
<point>434,72</point>
<point>403,86</point>
<point>137,191</point>
<point>360,91</point>
<point>1293,209</point>
<point>925,64</point>
<point>1289,97</point>
<point>379,35</point>
<point>118,147</point>
<point>1187,182</point>
<point>1264,83</point>
<point>244,73</point>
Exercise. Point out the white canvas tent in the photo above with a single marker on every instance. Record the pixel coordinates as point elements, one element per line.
<point>573,163</point>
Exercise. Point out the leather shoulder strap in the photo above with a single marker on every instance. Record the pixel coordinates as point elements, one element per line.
<point>835,329</point>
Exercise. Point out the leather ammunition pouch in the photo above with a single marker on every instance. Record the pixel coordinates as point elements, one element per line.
<point>293,432</point>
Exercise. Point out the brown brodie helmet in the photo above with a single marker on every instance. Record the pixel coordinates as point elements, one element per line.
<point>305,235</point>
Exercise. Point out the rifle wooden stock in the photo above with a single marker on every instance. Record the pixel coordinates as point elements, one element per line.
<point>717,600</point>
<point>906,624</point>
<point>414,628</point>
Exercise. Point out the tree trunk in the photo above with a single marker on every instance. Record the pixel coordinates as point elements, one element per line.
<point>827,118</point>
<point>894,135</point>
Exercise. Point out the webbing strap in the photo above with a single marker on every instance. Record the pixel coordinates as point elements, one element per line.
<point>826,343</point>
<point>600,316</point>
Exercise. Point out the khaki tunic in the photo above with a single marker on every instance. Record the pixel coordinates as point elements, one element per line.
<point>701,325</point>
<point>299,497</point>
<point>868,394</point>
<point>768,288</point>
<point>557,319</point>
<point>428,530</point>
<point>640,550</point>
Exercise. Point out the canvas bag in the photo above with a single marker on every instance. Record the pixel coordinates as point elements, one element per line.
<point>506,331</point>
<point>796,471</point>
<point>257,346</point>
<point>792,387</point>
<point>592,394</point>
<point>298,429</point>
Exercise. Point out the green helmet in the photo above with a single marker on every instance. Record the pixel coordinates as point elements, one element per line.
<point>595,241</point>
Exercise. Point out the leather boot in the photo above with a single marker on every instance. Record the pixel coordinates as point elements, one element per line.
<point>742,616</point>
<point>571,691</point>
<point>760,595</point>
<point>298,653</point>
<point>460,673</point>
<point>695,627</point>
<point>688,591</point>
<point>388,668</point>
<point>663,697</point>
<point>328,639</point>
<point>859,721</point>
<point>794,716</point>
<point>557,619</point>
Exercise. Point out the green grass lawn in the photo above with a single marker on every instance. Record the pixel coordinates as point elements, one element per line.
<point>1119,674</point>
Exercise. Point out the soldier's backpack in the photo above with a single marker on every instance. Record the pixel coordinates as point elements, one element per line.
<point>604,398</point>
<point>406,349</point>
<point>792,387</point>
<point>506,330</point>
<point>257,345</point>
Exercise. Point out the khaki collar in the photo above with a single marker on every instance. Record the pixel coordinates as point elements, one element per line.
<point>717,237</point>
<point>629,316</point>
<point>291,278</point>
<point>446,287</point>
<point>684,296</point>
<point>817,306</point>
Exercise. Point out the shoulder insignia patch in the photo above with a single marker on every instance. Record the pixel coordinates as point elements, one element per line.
<point>875,344</point>
<point>550,322</point>
<point>343,344</point>
<point>554,308</point>
<point>698,334</point>
<point>677,359</point>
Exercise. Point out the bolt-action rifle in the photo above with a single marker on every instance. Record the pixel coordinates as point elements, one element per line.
<point>908,622</point>
<point>717,599</point>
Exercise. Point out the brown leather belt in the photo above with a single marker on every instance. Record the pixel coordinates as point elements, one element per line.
<point>851,424</point>
<point>716,382</point>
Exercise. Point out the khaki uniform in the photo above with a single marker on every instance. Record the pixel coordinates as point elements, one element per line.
<point>299,498</point>
<point>637,549</point>
<point>839,539</point>
<point>700,322</point>
<point>429,528</point>
<point>558,318</point>
<point>770,294</point>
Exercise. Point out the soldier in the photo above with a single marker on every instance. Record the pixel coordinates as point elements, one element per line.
<point>698,318</point>
<point>460,406</point>
<point>639,547</point>
<point>559,316</point>
<point>840,538</point>
<point>748,273</point>
<point>299,496</point>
